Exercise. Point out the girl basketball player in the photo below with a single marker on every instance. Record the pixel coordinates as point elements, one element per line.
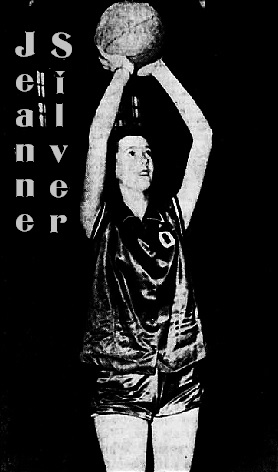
<point>144,334</point>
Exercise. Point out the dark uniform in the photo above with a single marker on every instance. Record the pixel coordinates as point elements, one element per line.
<point>144,334</point>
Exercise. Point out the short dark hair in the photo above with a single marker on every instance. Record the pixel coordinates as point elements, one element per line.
<point>122,131</point>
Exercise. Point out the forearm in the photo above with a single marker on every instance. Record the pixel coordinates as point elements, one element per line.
<point>188,109</point>
<point>107,110</point>
<point>192,116</point>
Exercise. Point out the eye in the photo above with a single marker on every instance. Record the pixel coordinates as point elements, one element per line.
<point>131,153</point>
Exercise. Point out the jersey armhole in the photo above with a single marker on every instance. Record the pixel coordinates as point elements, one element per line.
<point>178,214</point>
<point>98,220</point>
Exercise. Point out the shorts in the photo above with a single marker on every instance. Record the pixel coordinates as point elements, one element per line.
<point>147,396</point>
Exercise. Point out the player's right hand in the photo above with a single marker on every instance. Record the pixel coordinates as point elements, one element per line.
<point>113,62</point>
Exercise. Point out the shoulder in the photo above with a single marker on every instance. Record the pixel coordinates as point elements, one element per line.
<point>112,212</point>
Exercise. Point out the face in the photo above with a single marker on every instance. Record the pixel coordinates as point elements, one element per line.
<point>134,165</point>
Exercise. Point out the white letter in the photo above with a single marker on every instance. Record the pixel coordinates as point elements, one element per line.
<point>24,223</point>
<point>60,81</point>
<point>21,80</point>
<point>20,187</point>
<point>20,152</point>
<point>54,222</point>
<point>58,188</point>
<point>59,114</point>
<point>56,151</point>
<point>29,45</point>
<point>25,119</point>
<point>64,45</point>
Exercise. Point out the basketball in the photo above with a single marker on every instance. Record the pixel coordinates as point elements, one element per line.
<point>131,29</point>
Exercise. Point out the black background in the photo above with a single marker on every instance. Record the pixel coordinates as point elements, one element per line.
<point>45,423</point>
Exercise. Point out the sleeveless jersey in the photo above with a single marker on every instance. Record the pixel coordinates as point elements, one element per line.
<point>142,310</point>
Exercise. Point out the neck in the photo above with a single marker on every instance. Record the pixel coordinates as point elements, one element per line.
<point>136,200</point>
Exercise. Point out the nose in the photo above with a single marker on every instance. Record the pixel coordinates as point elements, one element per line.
<point>144,157</point>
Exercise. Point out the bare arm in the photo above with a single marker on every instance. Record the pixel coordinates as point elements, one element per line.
<point>199,129</point>
<point>99,133</point>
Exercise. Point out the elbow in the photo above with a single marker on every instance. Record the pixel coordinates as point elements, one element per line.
<point>202,139</point>
<point>209,134</point>
<point>207,130</point>
<point>201,130</point>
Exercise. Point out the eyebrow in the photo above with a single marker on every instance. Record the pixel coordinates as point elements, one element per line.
<point>134,147</point>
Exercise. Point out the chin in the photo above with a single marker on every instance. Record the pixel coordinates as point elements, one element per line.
<point>143,186</point>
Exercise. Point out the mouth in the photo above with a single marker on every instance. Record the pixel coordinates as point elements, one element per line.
<point>144,173</point>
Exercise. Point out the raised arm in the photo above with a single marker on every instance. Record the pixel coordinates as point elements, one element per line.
<point>99,133</point>
<point>199,129</point>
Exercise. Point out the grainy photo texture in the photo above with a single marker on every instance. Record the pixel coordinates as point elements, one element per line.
<point>144,333</point>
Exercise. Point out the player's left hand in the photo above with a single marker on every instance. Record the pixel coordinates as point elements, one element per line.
<point>150,69</point>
